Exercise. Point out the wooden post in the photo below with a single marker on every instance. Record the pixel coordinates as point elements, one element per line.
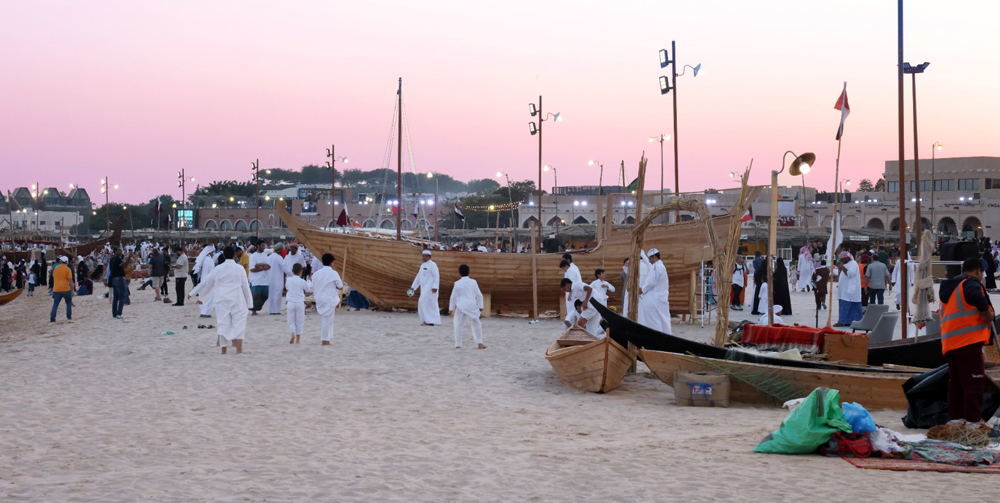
<point>534,274</point>
<point>633,261</point>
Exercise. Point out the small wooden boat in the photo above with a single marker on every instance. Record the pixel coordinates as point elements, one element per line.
<point>626,331</point>
<point>585,362</point>
<point>875,390</point>
<point>7,298</point>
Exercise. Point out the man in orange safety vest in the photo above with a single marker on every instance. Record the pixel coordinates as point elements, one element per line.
<point>966,325</point>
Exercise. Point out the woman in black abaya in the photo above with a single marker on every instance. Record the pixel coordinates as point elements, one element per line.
<point>781,295</point>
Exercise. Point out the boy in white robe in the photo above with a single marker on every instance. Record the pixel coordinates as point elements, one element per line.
<point>571,272</point>
<point>276,280</point>
<point>427,280</point>
<point>326,285</point>
<point>601,287</point>
<point>654,305</point>
<point>466,304</point>
<point>295,302</point>
<point>582,292</point>
<point>227,284</point>
<point>576,317</point>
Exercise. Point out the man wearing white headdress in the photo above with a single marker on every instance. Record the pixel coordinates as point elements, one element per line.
<point>229,288</point>
<point>205,252</point>
<point>428,281</point>
<point>806,268</point>
<point>207,265</point>
<point>654,291</point>
<point>276,279</point>
<point>643,271</point>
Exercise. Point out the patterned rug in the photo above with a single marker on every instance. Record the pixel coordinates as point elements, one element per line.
<point>904,465</point>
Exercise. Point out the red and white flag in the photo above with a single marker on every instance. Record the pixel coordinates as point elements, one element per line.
<point>342,219</point>
<point>845,110</point>
<point>159,206</point>
<point>458,213</point>
<point>748,216</point>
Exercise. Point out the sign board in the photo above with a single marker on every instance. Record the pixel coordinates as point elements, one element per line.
<point>185,219</point>
<point>857,239</point>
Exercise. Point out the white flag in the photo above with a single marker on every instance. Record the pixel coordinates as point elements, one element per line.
<point>836,237</point>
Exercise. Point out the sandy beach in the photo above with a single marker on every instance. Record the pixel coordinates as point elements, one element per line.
<point>111,410</point>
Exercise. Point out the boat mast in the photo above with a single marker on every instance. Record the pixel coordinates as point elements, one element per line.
<point>399,167</point>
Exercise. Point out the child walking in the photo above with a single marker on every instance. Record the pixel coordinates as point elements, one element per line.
<point>295,302</point>
<point>467,304</point>
<point>32,281</point>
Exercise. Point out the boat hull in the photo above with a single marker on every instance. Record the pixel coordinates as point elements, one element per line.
<point>875,390</point>
<point>383,269</point>
<point>7,298</point>
<point>597,367</point>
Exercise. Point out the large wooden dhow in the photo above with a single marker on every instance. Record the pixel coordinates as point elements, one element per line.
<point>9,297</point>
<point>382,269</point>
<point>587,363</point>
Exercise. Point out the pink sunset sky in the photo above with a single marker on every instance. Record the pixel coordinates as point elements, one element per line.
<point>138,90</point>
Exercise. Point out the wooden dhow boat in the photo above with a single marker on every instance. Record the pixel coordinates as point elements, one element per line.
<point>7,298</point>
<point>382,269</point>
<point>83,249</point>
<point>876,390</point>
<point>587,363</point>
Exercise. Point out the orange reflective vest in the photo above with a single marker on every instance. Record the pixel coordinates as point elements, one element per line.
<point>864,279</point>
<point>961,324</point>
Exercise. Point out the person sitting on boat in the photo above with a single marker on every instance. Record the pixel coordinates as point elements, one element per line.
<point>574,291</point>
<point>654,291</point>
<point>966,318</point>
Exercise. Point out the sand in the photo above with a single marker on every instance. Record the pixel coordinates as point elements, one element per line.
<point>109,410</point>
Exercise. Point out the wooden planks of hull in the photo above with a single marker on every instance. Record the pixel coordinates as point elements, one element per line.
<point>382,269</point>
<point>597,367</point>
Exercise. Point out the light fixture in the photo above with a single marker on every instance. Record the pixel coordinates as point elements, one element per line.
<point>531,203</point>
<point>546,168</point>
<point>499,174</point>
<point>961,198</point>
<point>430,175</point>
<point>664,60</point>
<point>532,128</point>
<point>583,203</point>
<point>532,109</point>
<point>697,68</point>
<point>623,203</point>
<point>71,186</point>
<point>576,203</point>
<point>664,85</point>
<point>803,164</point>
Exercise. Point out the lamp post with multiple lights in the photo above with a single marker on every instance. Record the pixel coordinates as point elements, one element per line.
<point>600,180</point>
<point>182,183</point>
<point>665,88</point>
<point>255,168</point>
<point>510,198</point>
<point>914,70</point>
<point>800,166</point>
<point>537,129</point>
<point>332,164</point>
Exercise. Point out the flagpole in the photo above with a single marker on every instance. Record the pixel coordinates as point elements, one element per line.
<point>836,225</point>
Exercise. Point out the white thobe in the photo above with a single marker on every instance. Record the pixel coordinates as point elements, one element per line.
<point>590,314</point>
<point>275,282</point>
<point>762,300</point>
<point>326,285</point>
<point>291,260</point>
<point>806,271</point>
<point>849,286</point>
<point>227,284</point>
<point>206,268</point>
<point>295,302</point>
<point>654,304</point>
<point>259,278</point>
<point>897,286</point>
<point>643,269</point>
<point>427,280</point>
<point>601,290</point>
<point>466,302</point>
<point>573,274</point>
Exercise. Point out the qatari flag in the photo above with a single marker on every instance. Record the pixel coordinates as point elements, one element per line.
<point>845,110</point>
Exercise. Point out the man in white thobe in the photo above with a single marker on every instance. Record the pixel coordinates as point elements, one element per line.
<point>275,280</point>
<point>466,304</point>
<point>293,257</point>
<point>654,291</point>
<point>848,290</point>
<point>428,280</point>
<point>571,272</point>
<point>227,284</point>
<point>582,292</point>
<point>326,285</point>
<point>258,277</point>
<point>206,267</point>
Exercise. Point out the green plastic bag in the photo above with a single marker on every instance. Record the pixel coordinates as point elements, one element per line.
<point>809,425</point>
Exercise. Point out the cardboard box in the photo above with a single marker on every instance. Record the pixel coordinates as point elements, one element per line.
<point>701,389</point>
<point>846,348</point>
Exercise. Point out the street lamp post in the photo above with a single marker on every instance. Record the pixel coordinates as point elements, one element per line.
<point>533,129</point>
<point>106,190</point>
<point>801,165</point>
<point>914,70</point>
<point>182,183</point>
<point>665,88</point>
<point>661,138</point>
<point>510,198</point>
<point>934,148</point>
<point>600,180</point>
<point>255,168</point>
